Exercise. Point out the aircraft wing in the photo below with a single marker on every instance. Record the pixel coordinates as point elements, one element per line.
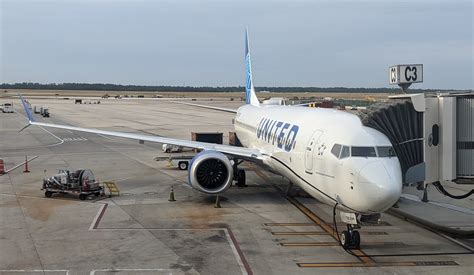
<point>307,104</point>
<point>240,152</point>
<point>207,107</point>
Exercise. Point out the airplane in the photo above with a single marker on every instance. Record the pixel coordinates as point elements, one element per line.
<point>328,153</point>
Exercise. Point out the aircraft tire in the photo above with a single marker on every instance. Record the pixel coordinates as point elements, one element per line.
<point>241,178</point>
<point>183,165</point>
<point>355,239</point>
<point>345,239</point>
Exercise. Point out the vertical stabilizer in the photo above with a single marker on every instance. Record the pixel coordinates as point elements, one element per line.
<point>251,97</point>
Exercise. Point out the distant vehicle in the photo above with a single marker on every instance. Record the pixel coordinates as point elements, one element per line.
<point>37,110</point>
<point>8,108</point>
<point>78,101</point>
<point>169,148</point>
<point>45,112</point>
<point>182,162</point>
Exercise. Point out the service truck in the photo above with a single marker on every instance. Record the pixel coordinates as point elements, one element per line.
<point>44,111</point>
<point>8,108</point>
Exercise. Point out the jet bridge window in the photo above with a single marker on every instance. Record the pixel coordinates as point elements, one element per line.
<point>385,151</point>
<point>336,149</point>
<point>363,151</point>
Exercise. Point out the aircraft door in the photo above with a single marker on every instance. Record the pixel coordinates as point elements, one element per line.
<point>309,151</point>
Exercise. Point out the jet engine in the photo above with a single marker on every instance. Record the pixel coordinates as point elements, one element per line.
<point>210,172</point>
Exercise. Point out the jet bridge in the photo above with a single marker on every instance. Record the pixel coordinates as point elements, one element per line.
<point>432,134</point>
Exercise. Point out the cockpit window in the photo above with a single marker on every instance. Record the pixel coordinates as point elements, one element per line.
<point>386,151</point>
<point>363,151</point>
<point>336,149</point>
<point>343,151</point>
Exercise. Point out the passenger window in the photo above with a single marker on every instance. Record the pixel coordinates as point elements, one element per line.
<point>363,151</point>
<point>336,149</point>
<point>345,152</point>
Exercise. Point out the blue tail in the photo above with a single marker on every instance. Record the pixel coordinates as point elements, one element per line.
<point>30,116</point>
<point>251,97</point>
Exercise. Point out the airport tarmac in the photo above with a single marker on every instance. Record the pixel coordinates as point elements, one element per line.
<point>258,230</point>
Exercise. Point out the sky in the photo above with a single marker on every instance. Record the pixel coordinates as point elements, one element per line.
<point>201,43</point>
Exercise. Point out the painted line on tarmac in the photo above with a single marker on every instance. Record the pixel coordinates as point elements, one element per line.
<point>41,127</point>
<point>36,270</point>
<point>290,224</point>
<point>98,217</point>
<point>18,165</point>
<point>243,264</point>
<point>104,136</point>
<point>310,244</point>
<point>300,233</point>
<point>366,245</point>
<point>132,269</point>
<point>381,264</point>
<point>232,241</point>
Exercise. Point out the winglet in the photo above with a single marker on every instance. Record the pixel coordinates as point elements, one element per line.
<point>27,111</point>
<point>251,97</point>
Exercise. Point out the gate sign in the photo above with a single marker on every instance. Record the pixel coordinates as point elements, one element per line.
<point>408,73</point>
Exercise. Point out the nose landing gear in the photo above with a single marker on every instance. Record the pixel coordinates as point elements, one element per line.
<point>350,238</point>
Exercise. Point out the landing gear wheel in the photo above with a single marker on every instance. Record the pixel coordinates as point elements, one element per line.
<point>48,194</point>
<point>241,178</point>
<point>350,239</point>
<point>356,239</point>
<point>82,197</point>
<point>345,239</point>
<point>183,165</point>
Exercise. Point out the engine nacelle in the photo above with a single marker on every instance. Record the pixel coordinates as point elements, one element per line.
<point>210,172</point>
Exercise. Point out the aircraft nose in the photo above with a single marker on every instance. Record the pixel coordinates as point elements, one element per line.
<point>382,185</point>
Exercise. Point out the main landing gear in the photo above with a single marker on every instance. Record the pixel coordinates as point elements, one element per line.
<point>350,238</point>
<point>239,174</point>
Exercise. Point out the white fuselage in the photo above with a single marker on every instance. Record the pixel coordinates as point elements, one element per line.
<point>297,143</point>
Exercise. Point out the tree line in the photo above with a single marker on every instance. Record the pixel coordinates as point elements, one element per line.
<point>146,88</point>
